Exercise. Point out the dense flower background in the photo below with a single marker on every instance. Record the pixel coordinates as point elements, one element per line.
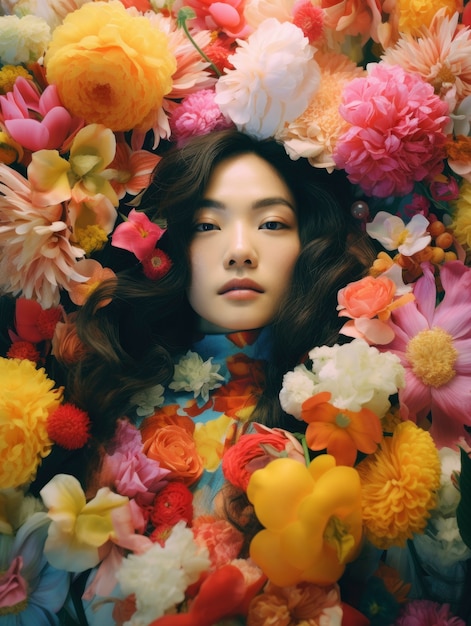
<point>91,95</point>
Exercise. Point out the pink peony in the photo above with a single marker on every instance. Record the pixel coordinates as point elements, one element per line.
<point>197,114</point>
<point>433,343</point>
<point>427,613</point>
<point>397,133</point>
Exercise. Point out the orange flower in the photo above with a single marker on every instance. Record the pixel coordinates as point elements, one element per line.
<point>133,169</point>
<point>96,274</point>
<point>239,397</point>
<point>367,297</point>
<point>340,431</point>
<point>171,443</point>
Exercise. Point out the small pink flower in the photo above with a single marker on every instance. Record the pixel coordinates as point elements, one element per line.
<point>397,131</point>
<point>137,235</point>
<point>309,18</point>
<point>418,205</point>
<point>197,114</point>
<point>425,612</point>
<point>446,191</point>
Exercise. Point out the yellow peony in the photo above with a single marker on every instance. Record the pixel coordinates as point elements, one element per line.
<point>110,67</point>
<point>27,398</point>
<point>399,486</point>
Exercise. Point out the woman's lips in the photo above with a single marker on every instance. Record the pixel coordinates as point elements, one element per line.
<point>240,289</point>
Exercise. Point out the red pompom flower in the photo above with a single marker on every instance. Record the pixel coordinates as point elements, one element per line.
<point>171,505</point>
<point>69,427</point>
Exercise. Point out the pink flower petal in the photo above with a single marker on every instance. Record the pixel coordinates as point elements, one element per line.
<point>31,134</point>
<point>57,121</point>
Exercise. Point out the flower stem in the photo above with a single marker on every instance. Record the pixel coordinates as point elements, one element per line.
<point>184,14</point>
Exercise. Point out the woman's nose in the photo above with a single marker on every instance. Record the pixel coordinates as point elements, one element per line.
<point>240,249</point>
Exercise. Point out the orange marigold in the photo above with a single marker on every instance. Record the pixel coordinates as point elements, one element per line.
<point>399,485</point>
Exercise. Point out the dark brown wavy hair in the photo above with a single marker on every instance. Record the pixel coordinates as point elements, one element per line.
<point>131,341</point>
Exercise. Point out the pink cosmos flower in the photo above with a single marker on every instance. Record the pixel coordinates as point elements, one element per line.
<point>434,345</point>
<point>137,234</point>
<point>37,120</point>
<point>425,612</point>
<point>197,114</point>
<point>397,131</point>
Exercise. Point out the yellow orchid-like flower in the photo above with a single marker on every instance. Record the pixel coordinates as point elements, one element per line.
<point>81,177</point>
<point>78,528</point>
<point>312,518</point>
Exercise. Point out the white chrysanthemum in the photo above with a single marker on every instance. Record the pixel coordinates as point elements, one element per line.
<point>441,545</point>
<point>23,40</point>
<point>357,375</point>
<point>167,569</point>
<point>273,80</point>
<point>147,400</point>
<point>195,375</point>
<point>298,386</point>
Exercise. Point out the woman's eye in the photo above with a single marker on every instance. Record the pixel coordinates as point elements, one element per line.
<point>273,225</point>
<point>205,227</point>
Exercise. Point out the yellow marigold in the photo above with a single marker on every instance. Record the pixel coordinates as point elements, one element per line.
<point>27,398</point>
<point>399,484</point>
<point>8,75</point>
<point>110,67</point>
<point>415,14</point>
<point>461,224</point>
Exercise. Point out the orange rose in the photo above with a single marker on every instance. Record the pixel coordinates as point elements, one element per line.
<point>174,448</point>
<point>367,297</point>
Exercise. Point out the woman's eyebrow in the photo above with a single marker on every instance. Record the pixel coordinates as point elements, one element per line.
<point>258,204</point>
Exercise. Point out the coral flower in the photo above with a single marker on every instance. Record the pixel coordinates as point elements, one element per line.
<point>133,169</point>
<point>92,274</point>
<point>399,485</point>
<point>441,55</point>
<point>137,234</point>
<point>397,131</point>
<point>433,343</point>
<point>341,432</point>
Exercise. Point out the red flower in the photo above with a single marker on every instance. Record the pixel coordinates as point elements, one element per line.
<point>23,350</point>
<point>156,265</point>
<point>69,427</point>
<point>172,504</point>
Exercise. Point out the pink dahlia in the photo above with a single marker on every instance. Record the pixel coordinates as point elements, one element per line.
<point>397,131</point>
<point>427,613</point>
<point>434,345</point>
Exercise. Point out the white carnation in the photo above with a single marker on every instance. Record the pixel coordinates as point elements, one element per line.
<point>273,80</point>
<point>357,375</point>
<point>23,40</point>
<point>160,576</point>
<point>195,375</point>
<point>298,386</point>
<point>148,399</point>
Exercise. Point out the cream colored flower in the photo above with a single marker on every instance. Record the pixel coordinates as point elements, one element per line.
<point>256,11</point>
<point>273,79</point>
<point>22,40</point>
<point>194,375</point>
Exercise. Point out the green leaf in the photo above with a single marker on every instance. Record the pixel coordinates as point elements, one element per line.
<point>463,511</point>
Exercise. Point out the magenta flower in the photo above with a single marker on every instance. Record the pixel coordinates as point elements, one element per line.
<point>427,613</point>
<point>397,133</point>
<point>37,120</point>
<point>137,234</point>
<point>434,345</point>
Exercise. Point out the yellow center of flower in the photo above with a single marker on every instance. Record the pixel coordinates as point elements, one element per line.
<point>443,77</point>
<point>91,238</point>
<point>14,609</point>
<point>432,356</point>
<point>337,536</point>
<point>342,420</point>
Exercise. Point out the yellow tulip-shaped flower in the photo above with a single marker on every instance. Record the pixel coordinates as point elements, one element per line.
<point>312,518</point>
<point>78,528</point>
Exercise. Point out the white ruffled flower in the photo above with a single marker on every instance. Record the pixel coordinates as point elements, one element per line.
<point>23,40</point>
<point>448,495</point>
<point>298,386</point>
<point>148,399</point>
<point>170,569</point>
<point>273,80</point>
<point>195,375</point>
<point>357,375</point>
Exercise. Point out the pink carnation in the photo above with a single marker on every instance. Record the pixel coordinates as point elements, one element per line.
<point>197,114</point>
<point>219,536</point>
<point>428,613</point>
<point>397,133</point>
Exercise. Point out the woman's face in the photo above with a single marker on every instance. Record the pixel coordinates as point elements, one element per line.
<point>244,247</point>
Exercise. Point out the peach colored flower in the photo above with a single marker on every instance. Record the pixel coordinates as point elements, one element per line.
<point>352,17</point>
<point>366,297</point>
<point>255,95</point>
<point>133,169</point>
<point>94,274</point>
<point>91,221</point>
<point>220,537</point>
<point>314,133</point>
<point>441,55</point>
<point>396,134</point>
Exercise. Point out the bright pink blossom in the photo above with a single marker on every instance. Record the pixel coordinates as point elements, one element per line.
<point>434,345</point>
<point>427,613</point>
<point>37,120</point>
<point>137,234</point>
<point>219,15</point>
<point>197,114</point>
<point>397,134</point>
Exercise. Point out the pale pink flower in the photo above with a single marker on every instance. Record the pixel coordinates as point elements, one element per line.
<point>197,114</point>
<point>137,234</point>
<point>393,234</point>
<point>273,80</point>
<point>434,345</point>
<point>314,133</point>
<point>257,11</point>
<point>441,55</point>
<point>37,257</point>
<point>353,17</point>
<point>397,131</point>
<point>37,120</point>
<point>427,613</point>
